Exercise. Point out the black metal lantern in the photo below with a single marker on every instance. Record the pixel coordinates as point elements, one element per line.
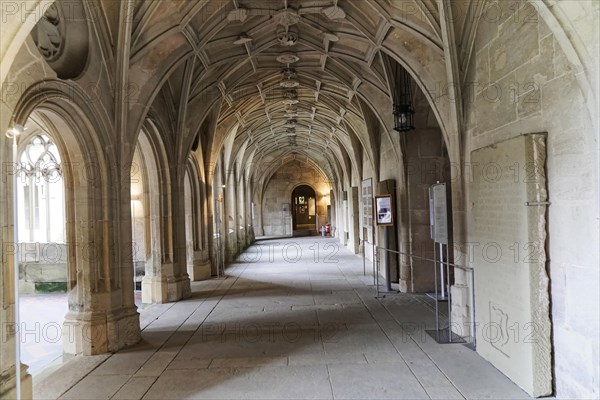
<point>404,113</point>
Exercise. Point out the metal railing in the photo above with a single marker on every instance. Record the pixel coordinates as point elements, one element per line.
<point>362,248</point>
<point>442,263</point>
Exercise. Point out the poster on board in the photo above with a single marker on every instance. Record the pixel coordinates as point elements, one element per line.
<point>384,210</point>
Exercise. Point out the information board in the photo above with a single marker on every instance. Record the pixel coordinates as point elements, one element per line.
<point>438,212</point>
<point>384,210</point>
<point>367,202</point>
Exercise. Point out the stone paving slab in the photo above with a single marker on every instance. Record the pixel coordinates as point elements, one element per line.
<point>375,381</point>
<point>134,388</point>
<point>94,387</point>
<point>280,330</point>
<point>307,382</point>
<point>325,358</point>
<point>57,382</point>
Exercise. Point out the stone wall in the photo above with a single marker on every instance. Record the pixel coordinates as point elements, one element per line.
<point>426,162</point>
<point>43,268</point>
<point>520,82</point>
<point>278,192</point>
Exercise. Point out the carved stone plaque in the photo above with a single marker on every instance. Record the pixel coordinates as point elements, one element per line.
<point>62,38</point>
<point>508,237</point>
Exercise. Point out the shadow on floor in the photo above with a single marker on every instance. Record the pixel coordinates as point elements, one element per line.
<point>286,330</point>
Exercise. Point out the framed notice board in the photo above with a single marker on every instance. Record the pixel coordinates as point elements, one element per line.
<point>438,213</point>
<point>367,202</point>
<point>384,213</point>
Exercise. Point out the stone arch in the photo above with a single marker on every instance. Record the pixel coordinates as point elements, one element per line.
<point>204,205</point>
<point>580,60</point>
<point>16,30</point>
<point>274,199</point>
<point>151,152</point>
<point>139,182</point>
<point>93,255</point>
<point>303,183</point>
<point>196,193</point>
<point>154,144</point>
<point>294,207</point>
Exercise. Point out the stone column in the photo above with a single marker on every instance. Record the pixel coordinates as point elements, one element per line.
<point>155,286</point>
<point>102,315</point>
<point>178,282</point>
<point>154,289</point>
<point>208,224</point>
<point>201,268</point>
<point>355,224</point>
<point>249,222</point>
<point>405,268</point>
<point>241,215</point>
<point>388,187</point>
<point>258,216</point>
<point>230,217</point>
<point>154,283</point>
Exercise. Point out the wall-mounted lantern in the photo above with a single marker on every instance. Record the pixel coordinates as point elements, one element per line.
<point>404,112</point>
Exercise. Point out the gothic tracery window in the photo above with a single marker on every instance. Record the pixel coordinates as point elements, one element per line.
<point>41,192</point>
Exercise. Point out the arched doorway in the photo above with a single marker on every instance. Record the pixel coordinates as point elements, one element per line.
<point>93,243</point>
<point>189,224</point>
<point>138,223</point>
<point>149,183</point>
<point>43,273</point>
<point>304,208</point>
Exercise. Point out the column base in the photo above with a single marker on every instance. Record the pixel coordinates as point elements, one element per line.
<point>231,253</point>
<point>123,328</point>
<point>8,386</point>
<point>91,333</point>
<point>154,290</point>
<point>200,270</point>
<point>178,288</point>
<point>403,286</point>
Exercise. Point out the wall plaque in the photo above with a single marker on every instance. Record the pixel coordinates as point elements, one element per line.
<point>508,236</point>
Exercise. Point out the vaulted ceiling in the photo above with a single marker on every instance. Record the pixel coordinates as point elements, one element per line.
<point>306,79</point>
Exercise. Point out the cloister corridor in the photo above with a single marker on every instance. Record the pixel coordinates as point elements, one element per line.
<point>193,194</point>
<point>287,322</point>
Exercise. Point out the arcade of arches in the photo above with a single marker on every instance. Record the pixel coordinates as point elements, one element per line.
<point>162,138</point>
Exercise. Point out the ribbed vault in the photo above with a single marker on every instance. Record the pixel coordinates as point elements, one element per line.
<point>308,79</point>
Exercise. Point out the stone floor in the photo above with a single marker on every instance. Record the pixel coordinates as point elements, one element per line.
<point>41,329</point>
<point>294,319</point>
<point>42,317</point>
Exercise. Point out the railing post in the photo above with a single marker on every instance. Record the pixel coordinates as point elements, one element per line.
<point>364,251</point>
<point>437,311</point>
<point>437,260</point>
<point>376,255</point>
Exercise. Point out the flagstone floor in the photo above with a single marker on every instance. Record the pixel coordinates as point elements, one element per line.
<point>293,319</point>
